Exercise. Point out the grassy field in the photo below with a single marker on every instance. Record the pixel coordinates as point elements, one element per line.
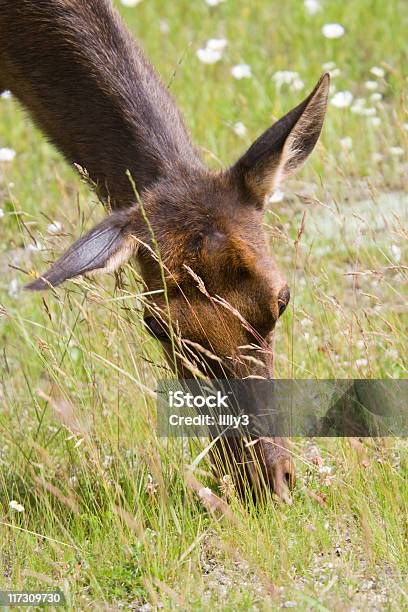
<point>102,509</point>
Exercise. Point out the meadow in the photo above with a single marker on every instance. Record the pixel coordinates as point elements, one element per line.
<point>91,500</point>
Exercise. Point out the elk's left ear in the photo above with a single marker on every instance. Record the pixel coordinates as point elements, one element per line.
<point>104,248</point>
<point>284,146</point>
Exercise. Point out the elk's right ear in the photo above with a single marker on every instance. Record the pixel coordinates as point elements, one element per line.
<point>285,146</point>
<point>104,248</point>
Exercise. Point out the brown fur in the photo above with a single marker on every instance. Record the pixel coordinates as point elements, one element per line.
<point>76,68</point>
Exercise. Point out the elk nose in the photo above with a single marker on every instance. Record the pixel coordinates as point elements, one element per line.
<point>283,299</point>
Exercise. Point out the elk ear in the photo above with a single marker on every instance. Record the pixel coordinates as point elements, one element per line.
<point>104,248</point>
<point>286,145</point>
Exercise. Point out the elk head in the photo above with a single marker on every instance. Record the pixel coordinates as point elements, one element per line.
<point>202,233</point>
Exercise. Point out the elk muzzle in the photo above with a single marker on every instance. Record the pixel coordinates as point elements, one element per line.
<point>257,467</point>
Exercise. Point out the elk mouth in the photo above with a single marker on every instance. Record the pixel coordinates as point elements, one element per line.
<point>257,467</point>
<point>274,469</point>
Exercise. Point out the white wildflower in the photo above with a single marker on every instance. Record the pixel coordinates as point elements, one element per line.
<point>329,66</point>
<point>284,77</point>
<point>54,228</point>
<point>360,102</point>
<point>14,505</point>
<point>204,492</point>
<point>75,353</point>
<point>6,95</point>
<point>217,44</point>
<point>239,129</point>
<point>297,85</point>
<point>107,462</point>
<point>376,121</point>
<point>397,151</point>
<point>361,363</point>
<point>37,246</point>
<point>405,126</point>
<point>371,85</point>
<point>346,143</point>
<point>214,2</point>
<point>208,56</point>
<point>333,30</point>
<point>396,251</point>
<point>342,99</point>
<point>335,73</point>
<point>376,96</point>
<point>212,52</point>
<point>332,68</point>
<point>130,2</point>
<point>241,71</point>
<point>359,108</point>
<point>276,197</point>
<point>312,7</point>
<point>7,154</point>
<point>13,289</point>
<point>164,26</point>
<point>325,469</point>
<point>378,72</point>
<point>1,213</point>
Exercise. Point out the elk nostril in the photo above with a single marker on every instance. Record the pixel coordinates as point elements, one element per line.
<point>283,299</point>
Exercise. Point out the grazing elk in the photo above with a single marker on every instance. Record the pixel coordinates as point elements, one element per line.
<point>75,67</point>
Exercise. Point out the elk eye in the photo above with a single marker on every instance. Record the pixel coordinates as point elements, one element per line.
<point>156,328</point>
<point>283,299</point>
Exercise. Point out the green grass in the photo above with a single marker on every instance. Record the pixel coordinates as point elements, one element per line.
<point>108,516</point>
